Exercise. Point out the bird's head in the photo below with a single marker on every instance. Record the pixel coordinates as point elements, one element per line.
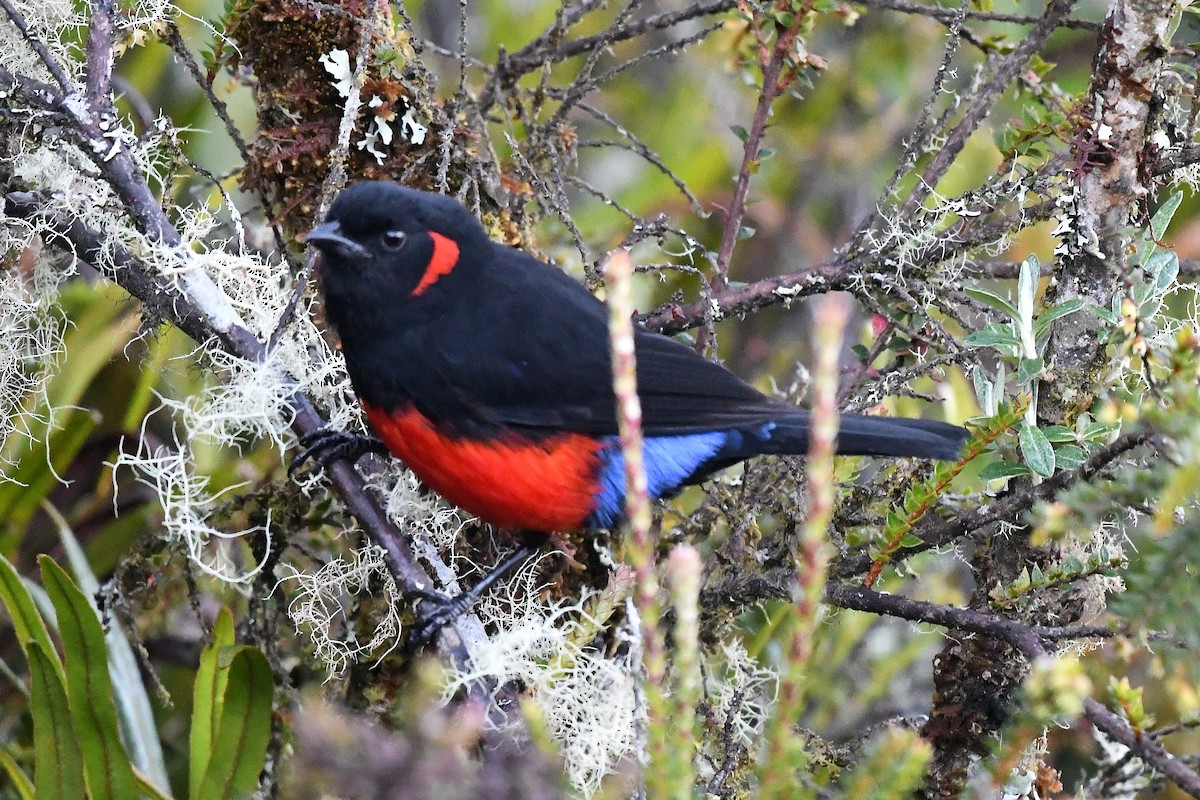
<point>392,241</point>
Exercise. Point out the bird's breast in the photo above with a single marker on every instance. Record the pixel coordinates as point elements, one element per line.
<point>515,482</point>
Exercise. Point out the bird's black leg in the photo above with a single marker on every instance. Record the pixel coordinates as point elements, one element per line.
<point>436,610</point>
<point>325,446</point>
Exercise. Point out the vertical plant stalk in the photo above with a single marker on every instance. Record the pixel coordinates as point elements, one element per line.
<point>618,273</point>
<point>675,777</point>
<point>785,747</point>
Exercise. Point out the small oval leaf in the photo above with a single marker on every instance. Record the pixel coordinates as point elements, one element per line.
<point>1036,450</point>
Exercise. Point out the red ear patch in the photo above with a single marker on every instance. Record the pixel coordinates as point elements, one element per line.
<point>445,256</point>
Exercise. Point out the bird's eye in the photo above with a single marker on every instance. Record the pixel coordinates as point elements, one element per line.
<point>394,240</point>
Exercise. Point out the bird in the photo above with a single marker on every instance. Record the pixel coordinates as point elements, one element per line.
<point>486,371</point>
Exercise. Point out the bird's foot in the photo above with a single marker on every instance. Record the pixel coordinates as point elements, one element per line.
<point>436,611</point>
<point>324,446</point>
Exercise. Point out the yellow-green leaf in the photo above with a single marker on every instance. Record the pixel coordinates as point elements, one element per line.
<point>89,688</point>
<point>16,776</point>
<point>244,729</point>
<point>207,693</point>
<point>58,768</point>
<point>26,620</point>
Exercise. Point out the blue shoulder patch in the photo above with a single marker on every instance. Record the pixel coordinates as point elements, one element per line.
<point>669,462</point>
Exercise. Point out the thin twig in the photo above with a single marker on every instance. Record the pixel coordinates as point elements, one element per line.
<point>736,210</point>
<point>947,14</point>
<point>39,47</point>
<point>918,141</point>
<point>982,103</point>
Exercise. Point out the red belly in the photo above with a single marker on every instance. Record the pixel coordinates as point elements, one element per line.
<point>515,483</point>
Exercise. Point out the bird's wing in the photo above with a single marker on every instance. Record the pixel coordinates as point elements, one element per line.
<point>538,359</point>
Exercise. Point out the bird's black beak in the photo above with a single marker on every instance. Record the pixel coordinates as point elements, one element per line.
<point>329,239</point>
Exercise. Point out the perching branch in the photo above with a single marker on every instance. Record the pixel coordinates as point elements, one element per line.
<point>1031,641</point>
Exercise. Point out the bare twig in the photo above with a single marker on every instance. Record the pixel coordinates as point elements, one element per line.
<point>548,48</point>
<point>39,47</point>
<point>983,101</point>
<point>947,14</point>
<point>736,210</point>
<point>919,138</point>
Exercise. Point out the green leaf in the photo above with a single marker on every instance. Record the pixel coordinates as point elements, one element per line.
<point>1036,450</point>
<point>740,132</point>
<point>16,776</point>
<point>244,729</point>
<point>1027,282</point>
<point>58,770</point>
<point>1163,268</point>
<point>1098,431</point>
<point>1105,314</point>
<point>1162,217</point>
<point>148,788</point>
<point>89,688</point>
<point>1042,325</point>
<point>1069,456</point>
<point>985,391</point>
<point>994,335</point>
<point>129,692</point>
<point>26,620</point>
<point>993,301</point>
<point>206,698</point>
<point>1059,434</point>
<point>1028,369</point>
<point>1002,469</point>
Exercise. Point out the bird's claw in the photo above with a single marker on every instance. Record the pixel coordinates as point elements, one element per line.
<point>436,611</point>
<point>326,445</point>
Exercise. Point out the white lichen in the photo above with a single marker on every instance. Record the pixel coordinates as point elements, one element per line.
<point>320,599</point>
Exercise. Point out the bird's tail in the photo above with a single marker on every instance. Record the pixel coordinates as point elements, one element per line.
<point>889,436</point>
<point>859,435</point>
